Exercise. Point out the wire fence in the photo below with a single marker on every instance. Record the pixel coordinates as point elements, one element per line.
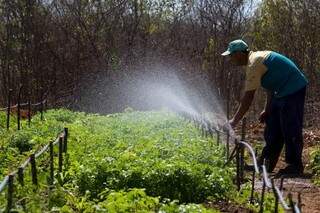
<point>8,181</point>
<point>239,146</point>
<point>27,107</point>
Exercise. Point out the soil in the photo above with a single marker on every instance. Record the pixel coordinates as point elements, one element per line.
<point>225,206</point>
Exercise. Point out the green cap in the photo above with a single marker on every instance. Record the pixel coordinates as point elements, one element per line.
<point>236,46</point>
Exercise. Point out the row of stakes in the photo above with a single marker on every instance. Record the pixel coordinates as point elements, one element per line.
<point>20,105</point>
<point>207,129</point>
<point>62,142</point>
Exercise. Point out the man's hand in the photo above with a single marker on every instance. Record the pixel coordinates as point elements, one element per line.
<point>263,116</point>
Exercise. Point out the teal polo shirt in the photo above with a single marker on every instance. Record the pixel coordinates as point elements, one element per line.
<point>274,72</point>
<point>283,77</point>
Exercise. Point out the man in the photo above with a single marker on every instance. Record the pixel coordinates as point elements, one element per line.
<point>285,85</point>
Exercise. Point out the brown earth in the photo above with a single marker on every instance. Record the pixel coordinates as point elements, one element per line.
<point>225,206</point>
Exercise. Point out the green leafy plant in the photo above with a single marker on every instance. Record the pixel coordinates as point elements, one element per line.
<point>125,162</point>
<point>315,164</point>
<point>22,141</point>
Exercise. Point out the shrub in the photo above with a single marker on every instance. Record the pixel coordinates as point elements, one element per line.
<point>22,141</point>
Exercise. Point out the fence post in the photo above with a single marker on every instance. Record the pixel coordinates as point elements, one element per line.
<point>10,193</point>
<point>241,162</point>
<point>29,109</point>
<point>276,202</point>
<point>281,183</point>
<point>228,99</point>
<point>51,163</point>
<point>60,154</point>
<point>19,102</point>
<point>262,196</point>
<point>65,140</point>
<point>241,147</point>
<point>252,185</point>
<point>228,116</point>
<point>202,130</point>
<point>228,146</point>
<point>41,104</point>
<point>253,181</point>
<point>299,200</point>
<point>291,202</point>
<point>211,132</point>
<point>243,129</point>
<point>238,165</point>
<point>8,109</point>
<point>20,176</point>
<point>33,169</point>
<point>206,129</point>
<point>218,137</point>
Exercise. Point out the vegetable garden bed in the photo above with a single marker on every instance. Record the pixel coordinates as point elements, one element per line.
<point>126,162</point>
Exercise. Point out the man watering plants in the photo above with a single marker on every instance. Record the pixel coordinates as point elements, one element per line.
<point>285,85</point>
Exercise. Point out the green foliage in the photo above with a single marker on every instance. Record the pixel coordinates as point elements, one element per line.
<point>135,200</point>
<point>22,141</point>
<point>315,164</point>
<point>174,207</point>
<point>155,151</point>
<point>57,198</point>
<point>111,155</point>
<point>210,52</point>
<point>126,162</point>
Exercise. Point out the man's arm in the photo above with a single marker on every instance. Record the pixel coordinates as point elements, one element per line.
<point>243,108</point>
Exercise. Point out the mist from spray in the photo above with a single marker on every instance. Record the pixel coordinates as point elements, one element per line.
<point>172,94</point>
<point>170,100</point>
<point>156,86</point>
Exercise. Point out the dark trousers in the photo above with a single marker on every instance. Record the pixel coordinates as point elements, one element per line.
<point>284,127</point>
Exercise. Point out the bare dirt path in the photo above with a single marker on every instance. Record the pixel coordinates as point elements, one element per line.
<point>310,194</point>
